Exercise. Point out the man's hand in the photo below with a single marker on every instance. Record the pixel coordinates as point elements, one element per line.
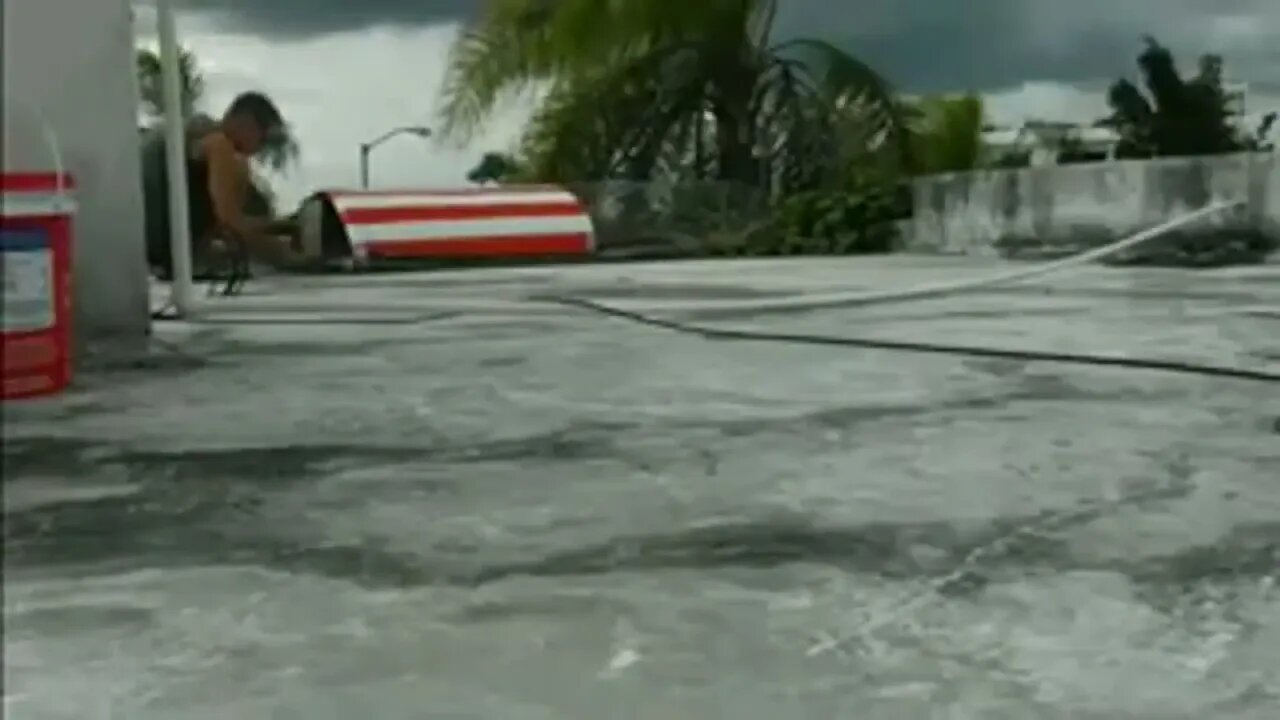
<point>284,228</point>
<point>274,250</point>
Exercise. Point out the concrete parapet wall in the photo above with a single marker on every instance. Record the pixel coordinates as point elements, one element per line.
<point>984,213</point>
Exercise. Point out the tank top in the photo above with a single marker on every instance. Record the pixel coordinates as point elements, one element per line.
<point>155,181</point>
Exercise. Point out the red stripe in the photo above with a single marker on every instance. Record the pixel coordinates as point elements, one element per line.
<point>404,214</point>
<point>485,246</point>
<point>451,192</point>
<point>35,182</point>
<point>41,214</point>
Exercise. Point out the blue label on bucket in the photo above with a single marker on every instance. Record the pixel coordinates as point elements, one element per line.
<point>12,240</point>
<point>27,262</point>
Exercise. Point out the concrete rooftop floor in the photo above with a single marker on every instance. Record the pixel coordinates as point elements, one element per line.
<point>429,495</point>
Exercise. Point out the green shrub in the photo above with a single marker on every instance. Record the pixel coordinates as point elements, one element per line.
<point>822,222</point>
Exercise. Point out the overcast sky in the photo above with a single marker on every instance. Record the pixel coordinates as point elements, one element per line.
<point>345,70</point>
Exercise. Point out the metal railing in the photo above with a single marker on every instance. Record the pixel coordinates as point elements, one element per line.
<point>648,219</point>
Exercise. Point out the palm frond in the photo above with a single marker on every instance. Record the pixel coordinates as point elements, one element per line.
<point>763,15</point>
<point>485,63</point>
<point>848,81</point>
<point>519,43</point>
<point>638,88</point>
<point>615,121</point>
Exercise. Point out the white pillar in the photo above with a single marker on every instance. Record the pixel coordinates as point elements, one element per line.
<point>70,64</point>
<point>183,294</point>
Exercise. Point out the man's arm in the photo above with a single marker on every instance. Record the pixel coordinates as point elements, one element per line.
<point>228,181</point>
<point>228,185</point>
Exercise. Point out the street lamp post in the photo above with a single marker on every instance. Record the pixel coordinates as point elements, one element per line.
<point>367,147</point>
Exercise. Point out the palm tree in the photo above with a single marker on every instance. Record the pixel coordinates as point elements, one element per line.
<point>281,149</point>
<point>636,89</point>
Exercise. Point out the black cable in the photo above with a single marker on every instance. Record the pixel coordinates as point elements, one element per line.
<point>712,333</point>
<point>227,281</point>
<point>237,271</point>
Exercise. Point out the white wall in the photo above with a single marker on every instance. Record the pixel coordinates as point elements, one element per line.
<point>72,61</point>
<point>969,212</point>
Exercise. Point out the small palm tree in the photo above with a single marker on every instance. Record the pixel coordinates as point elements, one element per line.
<point>151,82</point>
<point>637,88</point>
<point>494,167</point>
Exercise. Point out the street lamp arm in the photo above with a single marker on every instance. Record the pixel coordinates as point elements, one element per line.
<point>420,131</point>
<point>367,147</point>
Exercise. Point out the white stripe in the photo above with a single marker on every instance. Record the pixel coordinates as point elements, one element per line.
<point>23,203</point>
<point>391,232</point>
<point>344,203</point>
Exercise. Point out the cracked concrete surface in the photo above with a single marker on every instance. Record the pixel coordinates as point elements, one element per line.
<point>409,496</point>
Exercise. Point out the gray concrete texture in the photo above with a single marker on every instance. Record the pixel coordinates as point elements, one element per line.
<point>69,64</point>
<point>972,213</point>
<point>409,496</point>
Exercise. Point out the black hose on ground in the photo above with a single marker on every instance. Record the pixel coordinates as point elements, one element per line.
<point>713,333</point>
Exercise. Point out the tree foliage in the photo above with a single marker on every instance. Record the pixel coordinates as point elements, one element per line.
<point>946,134</point>
<point>1176,115</point>
<point>694,90</point>
<point>494,167</point>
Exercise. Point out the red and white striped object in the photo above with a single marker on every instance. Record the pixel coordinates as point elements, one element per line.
<point>511,221</point>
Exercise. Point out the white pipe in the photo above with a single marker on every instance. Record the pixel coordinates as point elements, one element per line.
<point>62,196</point>
<point>955,287</point>
<point>1022,274</point>
<point>183,291</point>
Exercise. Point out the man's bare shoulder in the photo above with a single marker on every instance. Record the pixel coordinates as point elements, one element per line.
<point>217,145</point>
<point>222,156</point>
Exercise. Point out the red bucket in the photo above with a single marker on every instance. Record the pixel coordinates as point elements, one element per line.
<point>36,211</point>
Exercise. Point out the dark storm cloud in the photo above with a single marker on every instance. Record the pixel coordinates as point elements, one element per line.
<point>987,44</point>
<point>921,44</point>
<point>293,18</point>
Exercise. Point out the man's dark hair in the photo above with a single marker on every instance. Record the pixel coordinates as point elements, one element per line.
<point>259,107</point>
